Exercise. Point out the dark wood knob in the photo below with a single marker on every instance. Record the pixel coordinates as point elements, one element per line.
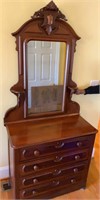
<point>23,181</point>
<point>33,192</point>
<point>73,181</point>
<point>56,172</point>
<point>79,144</point>
<point>56,183</point>
<point>24,152</point>
<point>59,145</point>
<point>77,157</point>
<point>58,159</point>
<point>35,181</point>
<point>35,167</point>
<point>23,168</point>
<point>36,153</point>
<point>75,170</point>
<point>23,193</point>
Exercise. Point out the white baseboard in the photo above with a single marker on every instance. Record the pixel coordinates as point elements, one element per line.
<point>4,172</point>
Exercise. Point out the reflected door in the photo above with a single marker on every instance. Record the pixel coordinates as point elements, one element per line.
<point>43,68</point>
<point>45,79</point>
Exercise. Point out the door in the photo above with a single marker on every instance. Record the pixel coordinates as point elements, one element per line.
<point>43,64</point>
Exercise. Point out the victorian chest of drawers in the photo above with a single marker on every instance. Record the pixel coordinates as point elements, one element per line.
<point>49,158</point>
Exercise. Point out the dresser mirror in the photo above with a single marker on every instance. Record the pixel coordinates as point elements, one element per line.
<point>46,64</point>
<point>46,45</point>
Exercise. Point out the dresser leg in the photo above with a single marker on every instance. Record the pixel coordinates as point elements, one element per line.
<point>9,181</point>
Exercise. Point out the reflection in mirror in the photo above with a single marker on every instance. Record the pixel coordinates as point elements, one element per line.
<point>46,69</point>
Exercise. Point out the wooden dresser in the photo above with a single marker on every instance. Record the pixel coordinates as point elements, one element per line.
<point>49,143</point>
<point>49,158</point>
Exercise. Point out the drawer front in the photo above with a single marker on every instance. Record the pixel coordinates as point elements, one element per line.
<point>33,192</point>
<point>40,166</point>
<point>38,151</point>
<point>52,174</point>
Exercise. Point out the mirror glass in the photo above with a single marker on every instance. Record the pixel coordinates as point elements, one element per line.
<point>45,79</point>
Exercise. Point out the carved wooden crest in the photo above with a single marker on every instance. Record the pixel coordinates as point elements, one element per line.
<point>50,14</point>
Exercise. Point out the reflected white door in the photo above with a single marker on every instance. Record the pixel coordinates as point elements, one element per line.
<point>43,64</point>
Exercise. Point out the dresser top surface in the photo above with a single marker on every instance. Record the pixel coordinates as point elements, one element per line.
<point>36,132</point>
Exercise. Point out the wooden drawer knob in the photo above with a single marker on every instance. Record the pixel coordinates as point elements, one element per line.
<point>73,181</point>
<point>23,168</point>
<point>33,192</point>
<point>79,144</point>
<point>75,170</point>
<point>58,159</point>
<point>77,157</point>
<point>23,181</point>
<point>57,172</point>
<point>59,145</point>
<point>36,153</point>
<point>56,183</point>
<point>24,152</point>
<point>35,167</point>
<point>35,181</point>
<point>23,193</point>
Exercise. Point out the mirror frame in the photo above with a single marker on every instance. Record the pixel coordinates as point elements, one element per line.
<point>47,24</point>
<point>26,85</point>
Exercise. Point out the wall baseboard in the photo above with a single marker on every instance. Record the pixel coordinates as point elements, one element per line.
<point>4,172</point>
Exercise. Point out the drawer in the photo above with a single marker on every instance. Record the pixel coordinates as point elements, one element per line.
<point>52,174</point>
<point>38,151</point>
<point>31,193</point>
<point>40,166</point>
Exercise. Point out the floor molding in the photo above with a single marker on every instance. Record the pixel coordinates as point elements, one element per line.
<point>4,172</point>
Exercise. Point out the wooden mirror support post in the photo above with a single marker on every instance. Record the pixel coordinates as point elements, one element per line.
<point>49,151</point>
